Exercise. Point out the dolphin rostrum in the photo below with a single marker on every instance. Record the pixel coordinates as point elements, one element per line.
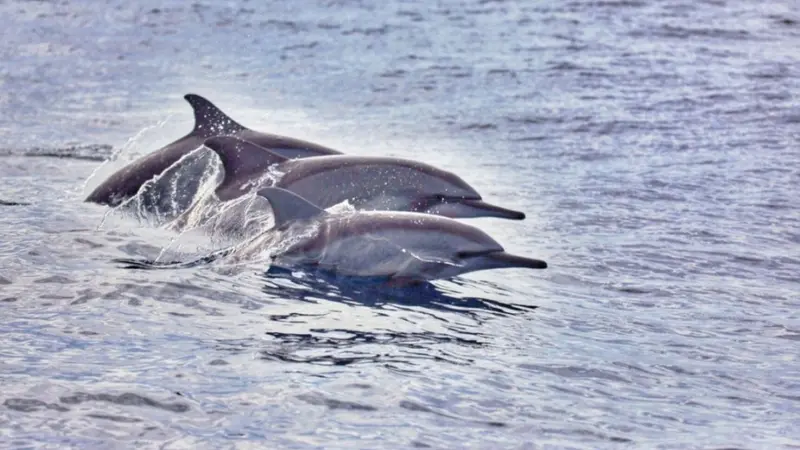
<point>400,246</point>
<point>366,182</point>
<point>209,121</point>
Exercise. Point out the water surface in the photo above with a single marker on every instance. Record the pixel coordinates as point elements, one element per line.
<point>653,145</point>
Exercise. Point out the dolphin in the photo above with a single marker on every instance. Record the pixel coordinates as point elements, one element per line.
<point>209,121</point>
<point>400,247</point>
<point>366,182</point>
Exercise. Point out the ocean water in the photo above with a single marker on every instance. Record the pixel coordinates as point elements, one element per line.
<point>653,145</point>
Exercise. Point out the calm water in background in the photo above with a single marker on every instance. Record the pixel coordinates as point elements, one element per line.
<point>653,144</point>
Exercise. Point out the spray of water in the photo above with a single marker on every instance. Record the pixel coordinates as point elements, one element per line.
<point>126,149</point>
<point>236,219</point>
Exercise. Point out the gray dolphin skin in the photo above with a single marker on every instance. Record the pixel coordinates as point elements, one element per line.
<point>209,121</point>
<point>401,246</point>
<point>366,182</point>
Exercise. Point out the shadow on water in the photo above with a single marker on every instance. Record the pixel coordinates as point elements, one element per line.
<point>312,285</point>
<point>394,349</point>
<point>315,284</point>
<point>88,152</point>
<point>12,203</point>
<point>125,400</point>
<point>390,343</point>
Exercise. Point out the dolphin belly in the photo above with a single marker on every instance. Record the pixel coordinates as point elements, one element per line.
<point>365,256</point>
<point>373,253</point>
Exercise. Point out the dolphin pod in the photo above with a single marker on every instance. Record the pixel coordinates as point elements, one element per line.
<point>403,228</point>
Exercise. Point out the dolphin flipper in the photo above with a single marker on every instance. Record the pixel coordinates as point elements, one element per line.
<point>208,117</point>
<point>288,206</point>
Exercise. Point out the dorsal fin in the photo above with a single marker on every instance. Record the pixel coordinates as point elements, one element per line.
<point>210,120</point>
<point>243,162</point>
<point>288,206</point>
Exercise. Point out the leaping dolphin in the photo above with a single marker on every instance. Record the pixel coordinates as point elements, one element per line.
<point>366,182</point>
<point>209,121</point>
<point>400,246</point>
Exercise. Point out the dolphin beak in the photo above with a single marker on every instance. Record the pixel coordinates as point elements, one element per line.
<point>493,210</point>
<point>503,259</point>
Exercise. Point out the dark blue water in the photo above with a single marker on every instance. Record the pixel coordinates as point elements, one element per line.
<point>653,145</point>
